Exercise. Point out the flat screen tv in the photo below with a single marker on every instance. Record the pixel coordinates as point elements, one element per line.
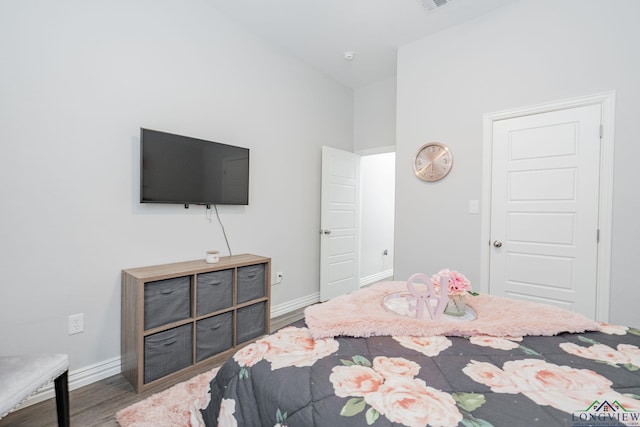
<point>183,170</point>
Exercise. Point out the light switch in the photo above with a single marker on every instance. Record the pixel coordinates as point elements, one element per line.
<point>474,206</point>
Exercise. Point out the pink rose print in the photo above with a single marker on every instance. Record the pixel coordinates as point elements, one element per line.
<point>495,342</point>
<point>607,354</point>
<point>612,329</point>
<point>491,376</point>
<point>626,354</point>
<point>201,402</point>
<point>251,354</point>
<point>632,352</point>
<point>225,416</point>
<point>289,346</point>
<point>561,387</point>
<point>293,346</point>
<point>429,346</point>
<point>355,380</point>
<point>389,387</point>
<point>393,366</point>
<point>411,402</point>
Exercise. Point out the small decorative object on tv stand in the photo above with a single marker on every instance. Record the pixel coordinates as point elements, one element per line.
<point>212,257</point>
<point>184,316</point>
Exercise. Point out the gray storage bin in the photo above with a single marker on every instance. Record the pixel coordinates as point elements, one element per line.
<point>167,301</point>
<point>251,322</point>
<point>214,291</point>
<point>167,352</point>
<point>214,335</point>
<point>250,282</point>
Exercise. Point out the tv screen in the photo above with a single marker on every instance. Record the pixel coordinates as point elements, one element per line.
<point>183,170</point>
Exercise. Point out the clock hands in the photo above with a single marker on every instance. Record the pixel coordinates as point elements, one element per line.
<point>431,162</point>
<point>424,170</point>
<point>442,153</point>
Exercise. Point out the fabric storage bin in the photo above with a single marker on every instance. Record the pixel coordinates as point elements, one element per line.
<point>214,291</point>
<point>167,352</point>
<point>250,282</point>
<point>250,322</point>
<point>167,301</point>
<point>214,335</point>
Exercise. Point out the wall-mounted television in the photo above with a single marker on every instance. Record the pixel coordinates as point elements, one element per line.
<point>183,170</point>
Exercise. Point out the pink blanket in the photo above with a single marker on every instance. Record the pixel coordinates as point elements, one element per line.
<point>361,314</point>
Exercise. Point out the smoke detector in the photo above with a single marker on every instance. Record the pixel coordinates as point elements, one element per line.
<point>430,5</point>
<point>348,56</point>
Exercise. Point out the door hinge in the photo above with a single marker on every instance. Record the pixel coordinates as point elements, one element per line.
<point>601,131</point>
<point>598,236</point>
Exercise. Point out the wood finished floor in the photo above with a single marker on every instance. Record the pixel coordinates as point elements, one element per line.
<point>96,404</point>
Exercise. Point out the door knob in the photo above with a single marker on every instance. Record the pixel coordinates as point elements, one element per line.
<point>326,231</point>
<point>497,243</point>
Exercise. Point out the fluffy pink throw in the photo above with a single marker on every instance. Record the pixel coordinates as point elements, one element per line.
<point>178,406</point>
<point>362,314</point>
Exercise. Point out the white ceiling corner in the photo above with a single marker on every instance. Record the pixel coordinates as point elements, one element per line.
<point>318,32</point>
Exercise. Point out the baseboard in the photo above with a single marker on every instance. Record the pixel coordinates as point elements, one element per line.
<point>286,307</point>
<point>78,378</point>
<point>383,275</point>
<point>107,368</point>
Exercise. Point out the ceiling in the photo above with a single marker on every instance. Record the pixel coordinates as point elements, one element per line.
<point>319,31</point>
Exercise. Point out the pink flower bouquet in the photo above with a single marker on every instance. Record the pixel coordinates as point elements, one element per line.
<point>458,283</point>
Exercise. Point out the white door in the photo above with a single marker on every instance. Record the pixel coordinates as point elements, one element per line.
<point>339,219</point>
<point>544,208</point>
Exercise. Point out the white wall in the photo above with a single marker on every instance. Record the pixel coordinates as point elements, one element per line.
<point>374,137</point>
<point>374,116</point>
<point>78,79</point>
<point>377,217</point>
<point>528,53</point>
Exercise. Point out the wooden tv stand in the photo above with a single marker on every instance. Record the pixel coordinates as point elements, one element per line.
<point>182,316</point>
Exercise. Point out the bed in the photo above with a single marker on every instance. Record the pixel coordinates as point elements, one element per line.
<point>354,362</point>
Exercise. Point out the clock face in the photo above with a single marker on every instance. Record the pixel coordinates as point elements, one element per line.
<point>433,162</point>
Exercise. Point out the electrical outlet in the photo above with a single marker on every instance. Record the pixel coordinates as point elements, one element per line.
<point>279,277</point>
<point>76,323</point>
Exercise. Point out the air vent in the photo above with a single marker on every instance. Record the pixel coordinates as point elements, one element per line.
<point>433,4</point>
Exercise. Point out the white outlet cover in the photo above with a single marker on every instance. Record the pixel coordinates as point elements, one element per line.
<point>76,324</point>
<point>474,206</point>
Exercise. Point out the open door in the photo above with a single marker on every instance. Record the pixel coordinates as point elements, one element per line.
<point>339,223</point>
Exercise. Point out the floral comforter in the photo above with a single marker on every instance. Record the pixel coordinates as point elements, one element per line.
<point>290,379</point>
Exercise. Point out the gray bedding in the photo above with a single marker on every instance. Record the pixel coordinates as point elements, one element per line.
<point>570,379</point>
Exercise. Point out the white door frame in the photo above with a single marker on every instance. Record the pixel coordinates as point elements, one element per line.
<point>605,207</point>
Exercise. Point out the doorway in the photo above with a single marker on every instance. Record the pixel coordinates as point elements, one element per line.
<point>377,217</point>
<point>357,220</point>
<point>547,197</point>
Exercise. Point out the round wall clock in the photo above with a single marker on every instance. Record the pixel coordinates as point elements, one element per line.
<point>433,161</point>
